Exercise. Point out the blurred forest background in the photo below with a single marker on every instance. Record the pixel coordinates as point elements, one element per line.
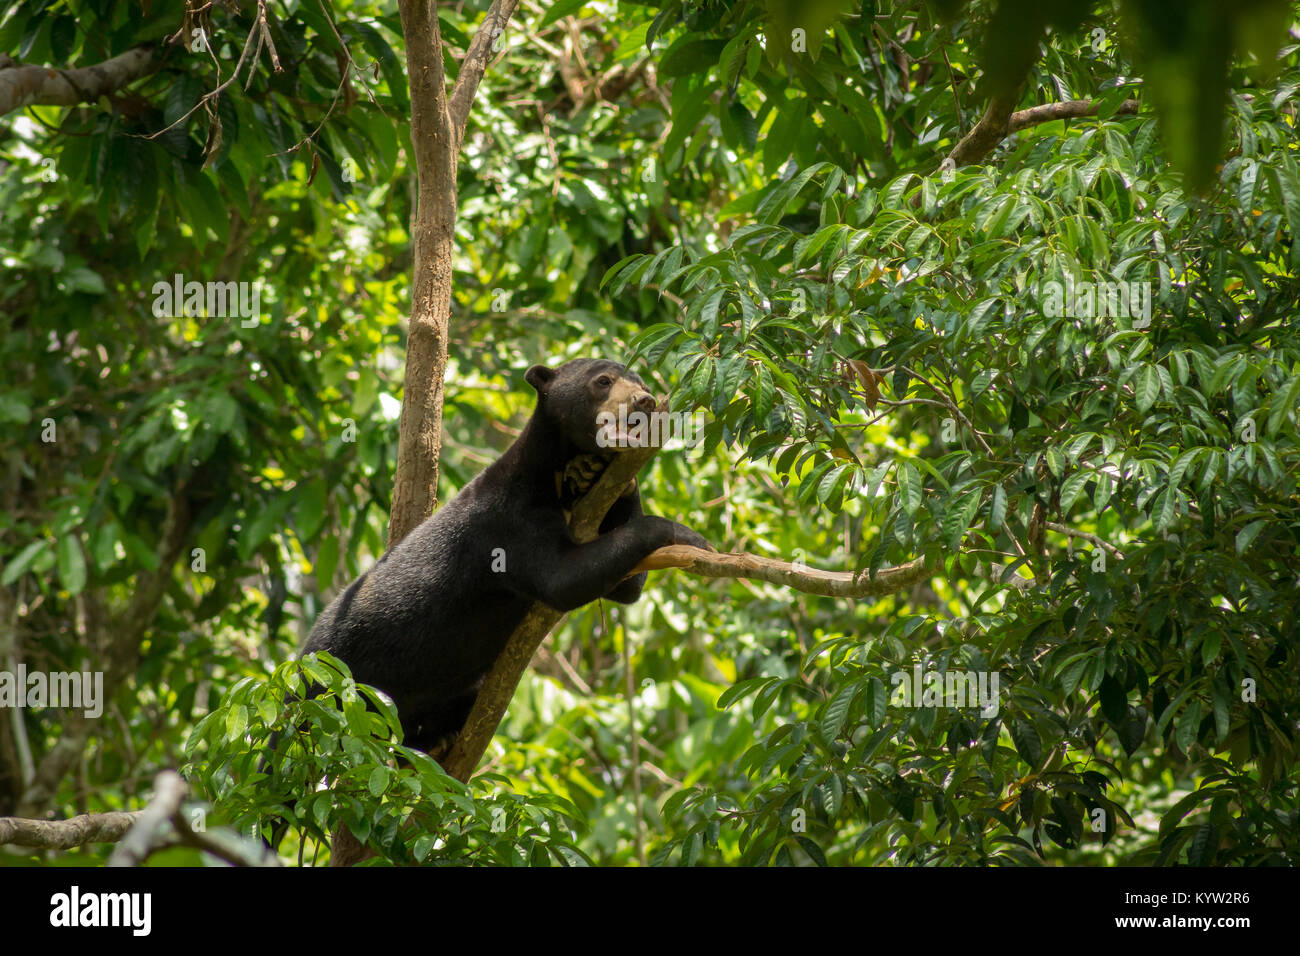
<point>835,230</point>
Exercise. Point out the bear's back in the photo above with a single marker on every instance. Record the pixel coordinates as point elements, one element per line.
<point>431,615</point>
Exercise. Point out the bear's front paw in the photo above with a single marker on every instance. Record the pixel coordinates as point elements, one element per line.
<point>684,535</point>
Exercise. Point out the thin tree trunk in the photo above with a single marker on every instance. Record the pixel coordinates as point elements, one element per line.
<point>433,138</point>
<point>437,130</point>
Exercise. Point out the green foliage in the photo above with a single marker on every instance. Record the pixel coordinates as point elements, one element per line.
<point>1166,428</point>
<point>886,370</point>
<point>269,751</point>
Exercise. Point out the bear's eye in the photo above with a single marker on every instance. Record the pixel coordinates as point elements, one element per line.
<point>605,381</point>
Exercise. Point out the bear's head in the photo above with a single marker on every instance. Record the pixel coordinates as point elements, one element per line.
<point>591,401</point>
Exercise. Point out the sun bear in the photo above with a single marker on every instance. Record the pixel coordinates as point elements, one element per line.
<point>425,624</point>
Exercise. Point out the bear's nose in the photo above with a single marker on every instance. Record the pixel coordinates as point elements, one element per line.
<point>645,402</point>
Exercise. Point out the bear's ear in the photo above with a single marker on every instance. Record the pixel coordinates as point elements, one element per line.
<point>539,376</point>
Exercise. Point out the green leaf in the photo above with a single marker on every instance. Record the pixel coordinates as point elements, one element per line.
<point>959,516</point>
<point>327,560</point>
<point>1174,815</point>
<point>1222,711</point>
<point>1071,488</point>
<point>265,521</point>
<point>1028,744</point>
<point>71,563</point>
<point>744,122</point>
<point>1113,699</point>
<point>558,9</point>
<point>877,702</point>
<point>81,279</point>
<point>1148,387</point>
<point>691,849</point>
<point>236,722</point>
<point>690,55</point>
<point>812,849</point>
<point>15,568</point>
<point>837,710</point>
<point>909,487</point>
<point>740,689</point>
<point>655,341</point>
<point>1163,512</point>
<point>1072,674</point>
<point>1203,846</point>
<point>1055,460</point>
<point>311,508</point>
<point>980,383</point>
<point>1248,534</point>
<point>998,508</point>
<point>378,782</point>
<point>1188,723</point>
<point>763,395</point>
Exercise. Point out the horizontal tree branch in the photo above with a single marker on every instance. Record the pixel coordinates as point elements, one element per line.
<point>1086,536</point>
<point>137,833</point>
<point>1000,121</point>
<point>710,564</point>
<point>1069,109</point>
<point>66,834</point>
<point>163,823</point>
<point>32,85</point>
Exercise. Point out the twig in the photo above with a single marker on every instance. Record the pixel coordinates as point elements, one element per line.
<point>1094,539</point>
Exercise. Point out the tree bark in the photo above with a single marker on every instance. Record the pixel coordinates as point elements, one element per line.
<point>32,85</point>
<point>66,834</point>
<point>437,130</point>
<point>999,122</point>
<point>434,141</point>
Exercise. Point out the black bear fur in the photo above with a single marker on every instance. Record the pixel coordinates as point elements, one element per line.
<point>425,624</point>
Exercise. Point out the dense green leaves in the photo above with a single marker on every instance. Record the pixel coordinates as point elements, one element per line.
<point>1061,377</point>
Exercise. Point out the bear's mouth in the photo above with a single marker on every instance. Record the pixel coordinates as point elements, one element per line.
<point>611,438</point>
<point>630,427</point>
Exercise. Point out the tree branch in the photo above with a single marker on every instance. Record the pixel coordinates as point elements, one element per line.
<point>475,62</point>
<point>33,85</point>
<point>1070,109</point>
<point>435,144</point>
<point>163,823</point>
<point>999,121</point>
<point>842,584</point>
<point>987,133</point>
<point>499,687</point>
<point>1084,535</point>
<point>66,834</point>
<point>437,129</point>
